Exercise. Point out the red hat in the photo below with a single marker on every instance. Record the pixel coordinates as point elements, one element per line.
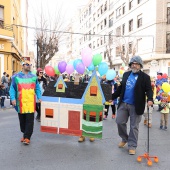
<point>38,70</point>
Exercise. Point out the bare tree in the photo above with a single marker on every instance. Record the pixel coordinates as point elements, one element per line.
<point>48,34</point>
<point>125,48</point>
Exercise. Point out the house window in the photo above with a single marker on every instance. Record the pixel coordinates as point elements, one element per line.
<point>139,20</point>
<point>131,25</point>
<point>89,9</point>
<point>101,9</point>
<point>49,113</point>
<point>168,43</point>
<point>1,16</point>
<point>130,48</point>
<point>98,42</point>
<point>123,29</point>
<point>93,91</point>
<point>130,4</point>
<point>60,86</point>
<point>94,16</point>
<point>123,9</point>
<point>168,15</point>
<point>118,51</point>
<point>92,117</point>
<point>101,40</point>
<point>118,12</point>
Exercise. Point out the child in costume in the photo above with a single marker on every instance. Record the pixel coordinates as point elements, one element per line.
<point>165,105</point>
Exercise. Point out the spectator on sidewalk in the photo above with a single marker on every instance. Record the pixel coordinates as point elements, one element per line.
<point>23,88</point>
<point>2,95</point>
<point>6,84</point>
<point>43,84</point>
<point>10,80</point>
<point>134,88</point>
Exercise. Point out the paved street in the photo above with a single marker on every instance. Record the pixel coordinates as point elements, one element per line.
<point>50,151</point>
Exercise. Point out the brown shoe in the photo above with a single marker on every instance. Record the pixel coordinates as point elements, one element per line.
<point>132,151</point>
<point>150,125</point>
<point>92,139</point>
<point>122,144</point>
<point>81,139</point>
<point>145,122</point>
<point>26,141</point>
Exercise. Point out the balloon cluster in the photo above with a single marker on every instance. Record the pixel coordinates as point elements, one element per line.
<point>161,79</point>
<point>86,64</point>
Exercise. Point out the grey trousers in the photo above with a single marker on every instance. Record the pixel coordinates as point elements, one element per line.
<point>123,113</point>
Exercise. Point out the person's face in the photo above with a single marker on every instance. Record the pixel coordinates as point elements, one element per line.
<point>26,67</point>
<point>41,73</point>
<point>135,67</point>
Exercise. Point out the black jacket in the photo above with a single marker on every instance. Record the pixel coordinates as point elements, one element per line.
<point>142,89</point>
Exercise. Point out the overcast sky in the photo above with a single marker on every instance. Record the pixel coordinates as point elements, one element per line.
<point>50,8</point>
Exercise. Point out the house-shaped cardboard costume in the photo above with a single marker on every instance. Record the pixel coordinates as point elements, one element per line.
<point>76,110</point>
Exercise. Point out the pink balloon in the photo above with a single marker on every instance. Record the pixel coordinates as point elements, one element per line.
<point>80,68</point>
<point>69,68</point>
<point>49,71</point>
<point>87,55</point>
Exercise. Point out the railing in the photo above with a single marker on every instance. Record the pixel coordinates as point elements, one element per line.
<point>6,26</point>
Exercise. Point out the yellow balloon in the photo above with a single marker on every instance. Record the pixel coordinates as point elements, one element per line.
<point>166,87</point>
<point>121,72</point>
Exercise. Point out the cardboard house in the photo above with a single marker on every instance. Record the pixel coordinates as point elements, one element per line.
<point>74,109</point>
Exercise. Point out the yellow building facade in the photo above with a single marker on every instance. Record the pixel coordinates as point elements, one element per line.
<point>11,37</point>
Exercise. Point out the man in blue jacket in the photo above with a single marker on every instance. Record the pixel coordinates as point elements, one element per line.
<point>23,88</point>
<point>134,88</point>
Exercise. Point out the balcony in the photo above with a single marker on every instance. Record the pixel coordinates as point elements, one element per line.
<point>6,31</point>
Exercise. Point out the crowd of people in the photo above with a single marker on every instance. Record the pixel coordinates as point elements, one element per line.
<point>132,96</point>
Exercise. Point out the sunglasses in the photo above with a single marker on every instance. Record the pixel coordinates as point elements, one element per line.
<point>28,64</point>
<point>41,72</point>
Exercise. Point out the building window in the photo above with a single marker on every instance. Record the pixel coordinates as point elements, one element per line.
<point>98,42</point>
<point>123,9</point>
<point>123,49</point>
<point>89,35</point>
<point>131,25</point>
<point>49,113</point>
<point>168,71</point>
<point>101,9</point>
<point>1,16</point>
<point>60,86</point>
<point>118,31</point>
<point>105,22</point>
<point>130,4</point>
<point>168,15</point>
<point>89,9</point>
<point>118,12</point>
<point>94,16</point>
<point>98,12</point>
<point>105,6</point>
<point>168,43</point>
<point>101,26</point>
<point>93,44</point>
<point>93,91</point>
<point>90,45</point>
<point>110,22</point>
<point>101,40</point>
<point>130,48</point>
<point>139,1</point>
<point>94,30</point>
<point>110,37</point>
<point>118,51</point>
<point>139,21</point>
<point>123,29</point>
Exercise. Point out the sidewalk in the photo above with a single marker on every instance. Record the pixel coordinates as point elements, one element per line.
<point>7,104</point>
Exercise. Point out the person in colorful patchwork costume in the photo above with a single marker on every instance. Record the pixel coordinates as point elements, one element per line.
<point>24,86</point>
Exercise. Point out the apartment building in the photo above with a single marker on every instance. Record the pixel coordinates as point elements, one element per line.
<point>11,37</point>
<point>127,28</point>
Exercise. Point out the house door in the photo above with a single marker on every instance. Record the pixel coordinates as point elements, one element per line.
<point>74,120</point>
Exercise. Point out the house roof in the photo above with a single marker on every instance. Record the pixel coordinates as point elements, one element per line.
<point>58,80</point>
<point>75,91</point>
